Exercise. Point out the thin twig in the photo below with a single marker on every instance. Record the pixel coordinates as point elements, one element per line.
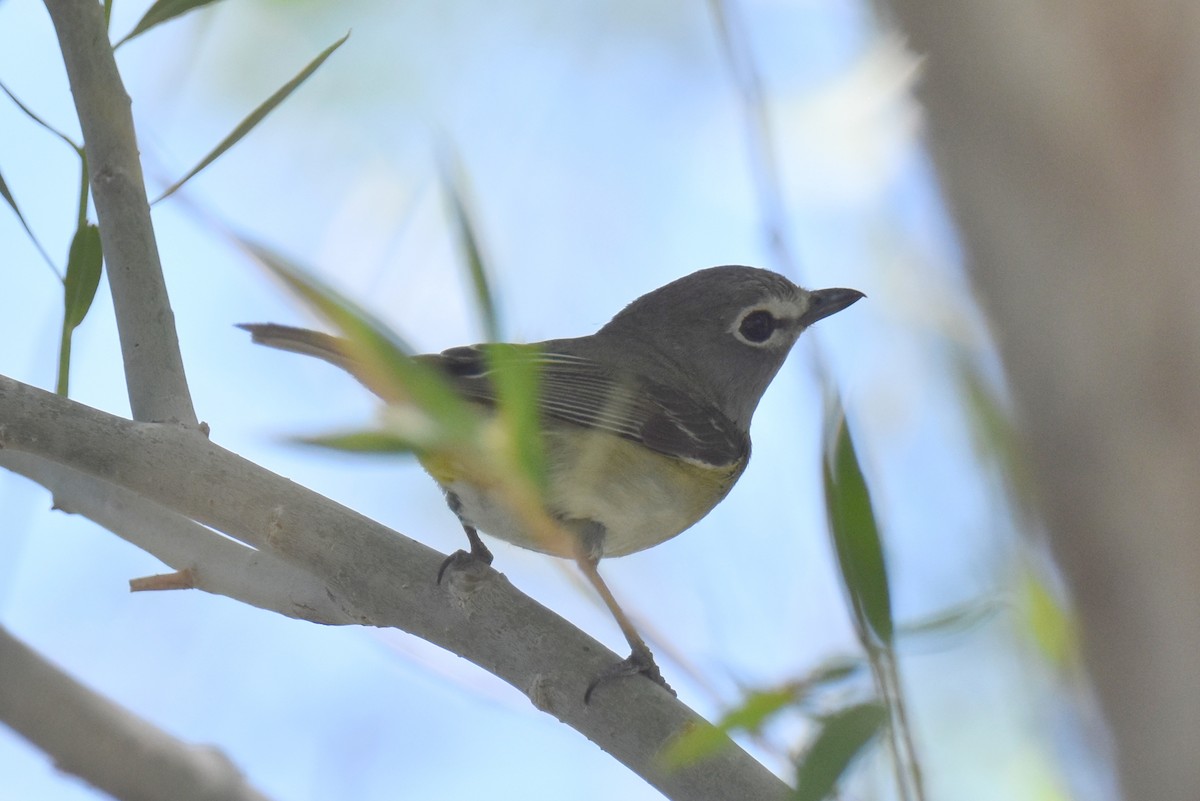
<point>900,710</point>
<point>217,563</point>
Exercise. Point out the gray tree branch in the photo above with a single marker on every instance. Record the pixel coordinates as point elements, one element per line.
<point>214,563</point>
<point>386,578</point>
<point>104,744</point>
<point>154,372</point>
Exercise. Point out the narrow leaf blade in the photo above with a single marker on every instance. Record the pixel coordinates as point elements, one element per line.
<point>12,202</point>
<point>382,361</point>
<point>1049,621</point>
<point>469,241</point>
<point>84,265</point>
<point>757,708</point>
<point>362,442</point>
<point>953,620</point>
<point>842,738</point>
<point>696,743</point>
<point>31,115</point>
<point>516,378</point>
<point>856,537</point>
<point>162,11</point>
<point>832,672</point>
<point>703,741</point>
<point>255,117</point>
<point>513,371</point>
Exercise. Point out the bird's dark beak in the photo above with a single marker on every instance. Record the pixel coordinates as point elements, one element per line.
<point>824,302</point>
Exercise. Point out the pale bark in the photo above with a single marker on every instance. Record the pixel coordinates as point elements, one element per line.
<point>1068,138</point>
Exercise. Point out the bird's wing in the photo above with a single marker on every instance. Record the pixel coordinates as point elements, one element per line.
<point>578,390</point>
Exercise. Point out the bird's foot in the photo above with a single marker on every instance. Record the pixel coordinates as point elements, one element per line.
<point>473,560</point>
<point>640,660</point>
<point>463,561</point>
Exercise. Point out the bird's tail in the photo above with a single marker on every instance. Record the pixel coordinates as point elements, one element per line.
<point>334,350</point>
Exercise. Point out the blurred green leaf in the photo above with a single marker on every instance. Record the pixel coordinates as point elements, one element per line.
<point>365,442</point>
<point>1049,620</point>
<point>514,369</point>
<point>758,707</point>
<point>856,537</point>
<point>992,423</point>
<point>383,361</point>
<point>255,117</point>
<point>84,264</point>
<point>162,11</point>
<point>703,741</point>
<point>12,202</point>
<point>953,620</point>
<point>696,743</point>
<point>843,737</point>
<point>484,300</point>
<point>831,672</point>
<point>994,429</point>
<point>516,378</point>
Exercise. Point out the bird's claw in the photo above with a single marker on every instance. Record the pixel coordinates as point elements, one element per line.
<point>640,660</point>
<point>461,560</point>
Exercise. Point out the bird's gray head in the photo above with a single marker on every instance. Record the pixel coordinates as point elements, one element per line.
<point>725,330</point>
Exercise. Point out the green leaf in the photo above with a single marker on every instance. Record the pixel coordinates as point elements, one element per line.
<point>856,537</point>
<point>83,170</point>
<point>696,743</point>
<point>516,378</point>
<point>705,740</point>
<point>84,264</point>
<point>831,672</point>
<point>952,620</point>
<point>513,372</point>
<point>365,442</point>
<point>29,113</point>
<point>994,428</point>
<point>1049,620</point>
<point>382,361</point>
<point>12,202</point>
<point>843,737</point>
<point>452,179</point>
<point>758,707</point>
<point>255,117</point>
<point>162,11</point>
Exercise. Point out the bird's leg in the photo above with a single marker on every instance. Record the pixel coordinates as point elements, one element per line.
<point>479,554</point>
<point>640,659</point>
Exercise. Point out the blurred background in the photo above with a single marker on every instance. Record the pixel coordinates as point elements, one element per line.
<point>607,150</point>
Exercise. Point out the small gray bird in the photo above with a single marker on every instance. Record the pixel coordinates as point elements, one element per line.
<point>645,424</point>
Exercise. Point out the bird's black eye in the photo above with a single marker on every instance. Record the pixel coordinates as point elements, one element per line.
<point>758,325</point>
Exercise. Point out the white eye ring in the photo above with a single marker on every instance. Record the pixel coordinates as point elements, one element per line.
<point>764,325</point>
